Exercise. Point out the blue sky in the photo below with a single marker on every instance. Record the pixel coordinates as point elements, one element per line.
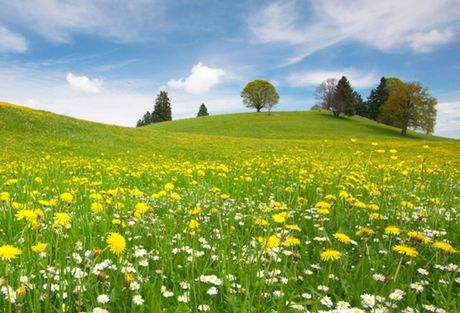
<point>107,60</point>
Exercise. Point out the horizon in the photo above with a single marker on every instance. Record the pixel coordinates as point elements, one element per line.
<point>107,62</point>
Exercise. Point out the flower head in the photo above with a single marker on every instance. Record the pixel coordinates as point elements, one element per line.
<point>116,242</point>
<point>8,252</point>
<point>330,255</point>
<point>406,250</point>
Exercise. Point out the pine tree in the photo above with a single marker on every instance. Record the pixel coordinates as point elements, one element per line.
<point>377,98</point>
<point>361,106</point>
<point>162,109</point>
<point>203,111</point>
<point>344,98</point>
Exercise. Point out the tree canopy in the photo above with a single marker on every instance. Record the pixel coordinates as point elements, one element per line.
<point>260,94</point>
<point>409,105</point>
<point>161,111</point>
<point>203,111</point>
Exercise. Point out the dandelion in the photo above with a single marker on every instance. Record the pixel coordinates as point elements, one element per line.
<point>193,224</point>
<point>444,247</point>
<point>66,197</point>
<point>342,238</point>
<point>8,252</point>
<point>116,242</point>
<point>61,219</point>
<point>364,232</point>
<point>392,230</point>
<point>280,218</point>
<point>39,247</point>
<point>406,250</point>
<point>291,241</point>
<point>330,255</point>
<point>169,187</point>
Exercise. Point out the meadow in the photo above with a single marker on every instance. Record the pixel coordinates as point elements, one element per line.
<point>288,212</point>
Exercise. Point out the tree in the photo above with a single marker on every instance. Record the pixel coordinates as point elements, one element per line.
<point>162,109</point>
<point>362,108</point>
<point>260,94</point>
<point>409,105</point>
<point>377,98</point>
<point>344,100</point>
<point>325,93</point>
<point>203,111</point>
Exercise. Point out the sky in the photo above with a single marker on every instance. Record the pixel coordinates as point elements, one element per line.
<point>106,61</point>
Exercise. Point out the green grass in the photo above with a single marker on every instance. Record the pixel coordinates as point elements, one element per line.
<point>254,199</point>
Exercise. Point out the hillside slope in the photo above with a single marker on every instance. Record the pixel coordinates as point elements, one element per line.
<point>27,130</point>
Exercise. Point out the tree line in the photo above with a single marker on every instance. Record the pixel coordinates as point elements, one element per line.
<point>406,105</point>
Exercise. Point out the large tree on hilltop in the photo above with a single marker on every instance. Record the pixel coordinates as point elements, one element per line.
<point>409,105</point>
<point>260,94</point>
<point>203,111</point>
<point>344,99</point>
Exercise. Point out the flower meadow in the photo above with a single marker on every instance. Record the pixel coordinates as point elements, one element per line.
<point>367,227</point>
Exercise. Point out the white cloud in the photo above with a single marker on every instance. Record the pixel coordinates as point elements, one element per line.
<point>357,78</point>
<point>200,81</point>
<point>83,83</point>
<point>390,25</point>
<point>11,42</point>
<point>59,21</point>
<point>448,119</point>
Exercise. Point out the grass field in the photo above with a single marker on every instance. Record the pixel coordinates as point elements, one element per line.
<point>288,212</point>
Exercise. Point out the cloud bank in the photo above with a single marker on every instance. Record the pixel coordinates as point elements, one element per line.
<point>83,83</point>
<point>357,78</point>
<point>201,80</point>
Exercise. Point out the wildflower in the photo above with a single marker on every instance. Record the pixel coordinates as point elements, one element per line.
<point>368,300</point>
<point>378,277</point>
<point>193,224</point>
<point>270,242</point>
<point>4,196</point>
<point>417,286</point>
<point>323,205</point>
<point>406,250</point>
<point>364,232</point>
<point>419,236</point>
<point>116,242</point>
<point>279,218</point>
<point>66,197</point>
<point>204,308</point>
<point>8,253</point>
<point>169,187</point>
<point>327,301</point>
<point>225,196</point>
<point>103,299</point>
<point>138,300</point>
<point>61,219</point>
<point>293,227</point>
<point>96,207</point>
<point>342,238</point>
<point>392,230</point>
<point>99,310</point>
<point>291,241</point>
<point>39,247</point>
<point>330,255</point>
<point>444,247</point>
<point>260,222</point>
<point>175,196</point>
<point>212,291</point>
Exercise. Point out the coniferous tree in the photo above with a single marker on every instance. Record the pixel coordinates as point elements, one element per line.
<point>377,98</point>
<point>361,106</point>
<point>344,99</point>
<point>162,109</point>
<point>203,111</point>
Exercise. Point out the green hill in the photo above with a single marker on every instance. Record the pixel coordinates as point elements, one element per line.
<point>27,130</point>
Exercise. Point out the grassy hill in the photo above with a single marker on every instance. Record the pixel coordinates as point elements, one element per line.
<point>28,130</point>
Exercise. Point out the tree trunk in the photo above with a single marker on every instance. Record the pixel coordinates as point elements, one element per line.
<point>336,114</point>
<point>258,109</point>
<point>404,131</point>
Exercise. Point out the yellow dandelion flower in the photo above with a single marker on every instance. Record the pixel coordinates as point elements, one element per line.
<point>4,196</point>
<point>96,207</point>
<point>270,242</point>
<point>444,247</point>
<point>39,248</point>
<point>61,219</point>
<point>225,196</point>
<point>323,205</point>
<point>193,224</point>
<point>175,196</point>
<point>364,232</point>
<point>406,250</point>
<point>8,253</point>
<point>142,207</point>
<point>291,241</point>
<point>419,236</point>
<point>116,242</point>
<point>66,197</point>
<point>392,230</point>
<point>342,238</point>
<point>330,255</point>
<point>279,218</point>
<point>169,187</point>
